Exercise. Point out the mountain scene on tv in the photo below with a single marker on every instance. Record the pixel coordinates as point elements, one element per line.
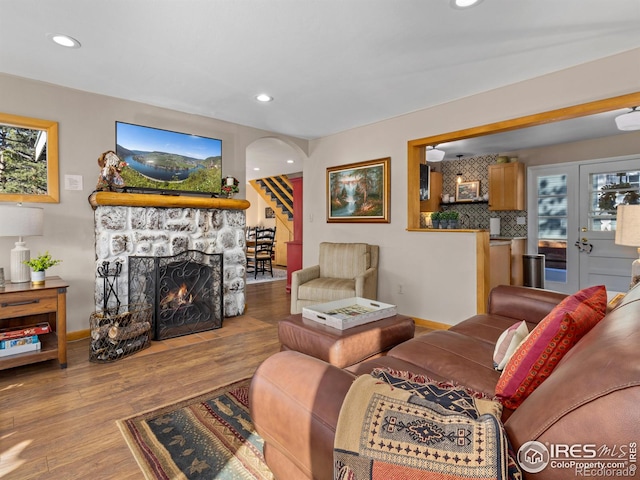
<point>163,160</point>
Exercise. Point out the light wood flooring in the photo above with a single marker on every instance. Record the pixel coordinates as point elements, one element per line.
<point>60,424</point>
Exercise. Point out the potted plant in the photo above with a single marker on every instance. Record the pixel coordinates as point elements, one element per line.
<point>39,266</point>
<point>435,219</point>
<point>447,219</point>
<point>453,219</point>
<point>444,219</point>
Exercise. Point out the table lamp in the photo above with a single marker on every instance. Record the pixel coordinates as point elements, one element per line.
<point>628,233</point>
<point>19,221</point>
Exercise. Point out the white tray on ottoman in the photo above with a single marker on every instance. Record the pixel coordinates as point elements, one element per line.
<point>349,312</point>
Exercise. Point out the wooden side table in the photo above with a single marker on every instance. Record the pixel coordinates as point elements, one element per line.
<point>23,304</point>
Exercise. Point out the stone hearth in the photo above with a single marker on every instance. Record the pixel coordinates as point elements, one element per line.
<point>158,225</point>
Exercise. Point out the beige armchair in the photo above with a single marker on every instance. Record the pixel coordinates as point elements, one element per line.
<point>345,270</point>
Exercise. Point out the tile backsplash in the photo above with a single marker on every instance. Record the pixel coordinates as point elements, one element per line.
<point>475,215</point>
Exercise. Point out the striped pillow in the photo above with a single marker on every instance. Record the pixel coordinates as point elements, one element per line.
<point>553,337</point>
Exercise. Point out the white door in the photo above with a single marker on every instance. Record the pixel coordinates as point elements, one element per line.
<point>572,222</point>
<point>604,185</point>
<point>553,216</point>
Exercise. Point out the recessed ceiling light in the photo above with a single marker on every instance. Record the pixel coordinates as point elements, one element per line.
<point>256,169</point>
<point>464,3</point>
<point>64,40</point>
<point>289,161</point>
<point>263,97</point>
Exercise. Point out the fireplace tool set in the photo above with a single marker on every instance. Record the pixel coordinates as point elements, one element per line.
<point>117,330</point>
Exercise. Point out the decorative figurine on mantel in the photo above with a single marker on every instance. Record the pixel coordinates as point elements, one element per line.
<point>110,168</point>
<point>229,186</point>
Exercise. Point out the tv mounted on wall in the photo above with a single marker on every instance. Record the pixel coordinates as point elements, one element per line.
<point>162,160</point>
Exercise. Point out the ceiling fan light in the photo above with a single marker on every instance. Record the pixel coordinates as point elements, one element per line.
<point>434,155</point>
<point>629,121</point>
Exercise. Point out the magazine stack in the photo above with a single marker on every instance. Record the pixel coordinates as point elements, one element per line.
<point>22,339</point>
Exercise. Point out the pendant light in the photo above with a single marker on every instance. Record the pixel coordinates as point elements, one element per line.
<point>629,121</point>
<point>434,154</point>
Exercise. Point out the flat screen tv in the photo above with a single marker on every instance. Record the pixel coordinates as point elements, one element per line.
<point>166,161</point>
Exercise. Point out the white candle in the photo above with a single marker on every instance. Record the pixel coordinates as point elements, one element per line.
<point>229,181</point>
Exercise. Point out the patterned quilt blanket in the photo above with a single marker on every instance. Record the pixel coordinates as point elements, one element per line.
<point>395,425</point>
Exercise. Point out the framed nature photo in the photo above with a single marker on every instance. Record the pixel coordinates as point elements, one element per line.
<point>359,192</point>
<point>28,160</point>
<point>467,191</point>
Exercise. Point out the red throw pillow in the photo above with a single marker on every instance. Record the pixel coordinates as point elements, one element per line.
<point>553,337</point>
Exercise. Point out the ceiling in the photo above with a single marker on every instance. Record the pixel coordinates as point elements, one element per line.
<point>330,65</point>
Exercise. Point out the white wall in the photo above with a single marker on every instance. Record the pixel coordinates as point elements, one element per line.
<point>437,271</point>
<point>86,129</point>
<point>255,213</point>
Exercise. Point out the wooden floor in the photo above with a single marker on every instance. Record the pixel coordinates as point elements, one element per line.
<point>60,424</point>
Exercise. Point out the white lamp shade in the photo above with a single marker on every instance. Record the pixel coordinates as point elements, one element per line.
<point>628,225</point>
<point>629,121</point>
<point>18,221</point>
<point>434,155</point>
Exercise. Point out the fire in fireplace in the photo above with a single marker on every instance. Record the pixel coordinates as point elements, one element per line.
<point>186,291</point>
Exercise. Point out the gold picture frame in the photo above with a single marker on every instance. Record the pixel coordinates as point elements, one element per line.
<point>359,192</point>
<point>28,160</point>
<point>467,191</point>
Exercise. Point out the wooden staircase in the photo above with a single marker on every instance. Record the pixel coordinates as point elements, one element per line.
<point>277,192</point>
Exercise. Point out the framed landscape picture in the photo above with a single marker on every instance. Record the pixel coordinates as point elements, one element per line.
<point>467,191</point>
<point>359,192</point>
<point>28,160</point>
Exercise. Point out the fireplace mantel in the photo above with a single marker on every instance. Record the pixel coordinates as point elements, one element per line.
<point>164,201</point>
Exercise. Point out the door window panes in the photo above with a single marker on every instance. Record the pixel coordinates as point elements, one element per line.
<point>606,192</point>
<point>552,225</point>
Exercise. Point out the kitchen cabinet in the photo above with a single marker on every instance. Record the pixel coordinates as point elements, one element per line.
<point>435,192</point>
<point>506,186</point>
<point>506,260</point>
<point>500,261</point>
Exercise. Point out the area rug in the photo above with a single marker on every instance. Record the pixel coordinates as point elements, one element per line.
<point>207,437</point>
<point>278,274</point>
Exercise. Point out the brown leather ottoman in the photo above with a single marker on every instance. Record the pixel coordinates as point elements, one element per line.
<point>344,348</point>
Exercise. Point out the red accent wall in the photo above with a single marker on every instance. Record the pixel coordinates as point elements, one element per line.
<point>294,248</point>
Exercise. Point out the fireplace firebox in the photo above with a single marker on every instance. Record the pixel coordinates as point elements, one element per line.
<point>186,291</point>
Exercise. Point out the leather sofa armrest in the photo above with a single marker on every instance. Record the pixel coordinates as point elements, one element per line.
<point>523,303</point>
<point>295,402</point>
<point>367,284</point>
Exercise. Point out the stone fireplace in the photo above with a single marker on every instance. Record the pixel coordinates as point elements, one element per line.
<point>148,225</point>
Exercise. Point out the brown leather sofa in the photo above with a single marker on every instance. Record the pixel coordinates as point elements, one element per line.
<point>591,398</point>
